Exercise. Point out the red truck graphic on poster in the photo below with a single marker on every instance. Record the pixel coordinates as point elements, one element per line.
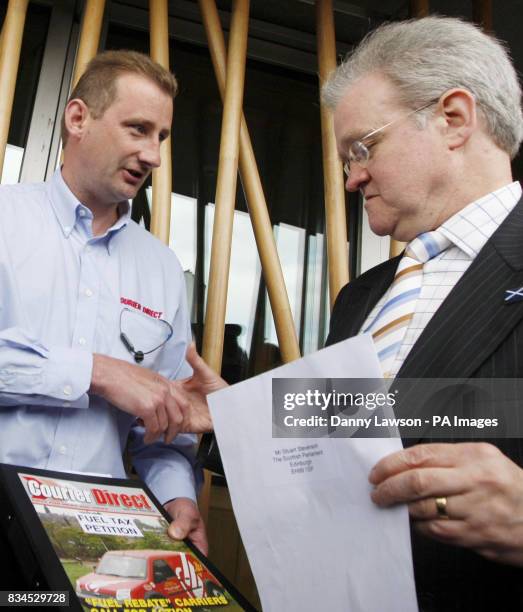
<point>147,574</point>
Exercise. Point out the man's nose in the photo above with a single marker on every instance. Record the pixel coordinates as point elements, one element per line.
<point>358,177</point>
<point>150,154</point>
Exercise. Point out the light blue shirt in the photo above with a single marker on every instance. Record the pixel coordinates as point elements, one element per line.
<point>64,296</point>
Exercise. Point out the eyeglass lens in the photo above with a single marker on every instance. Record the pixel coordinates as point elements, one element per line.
<point>358,153</point>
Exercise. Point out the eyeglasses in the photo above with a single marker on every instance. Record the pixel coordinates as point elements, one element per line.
<point>139,355</point>
<point>360,153</point>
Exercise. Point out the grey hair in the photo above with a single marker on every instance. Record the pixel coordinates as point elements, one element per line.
<point>425,57</point>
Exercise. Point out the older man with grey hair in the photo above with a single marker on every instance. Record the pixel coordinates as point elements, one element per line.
<point>427,115</point>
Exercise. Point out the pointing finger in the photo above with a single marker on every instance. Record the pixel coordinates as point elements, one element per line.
<point>197,363</point>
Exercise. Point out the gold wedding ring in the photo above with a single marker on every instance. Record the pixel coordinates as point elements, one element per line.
<point>441,507</point>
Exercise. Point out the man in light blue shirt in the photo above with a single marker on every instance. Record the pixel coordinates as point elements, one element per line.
<point>93,316</point>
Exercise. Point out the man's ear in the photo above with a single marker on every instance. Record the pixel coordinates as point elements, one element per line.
<point>76,115</point>
<point>458,109</point>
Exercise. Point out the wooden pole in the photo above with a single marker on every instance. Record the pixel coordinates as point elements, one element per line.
<point>89,37</point>
<point>482,14</point>
<point>11,44</point>
<point>226,187</point>
<point>419,8</point>
<point>396,247</point>
<point>162,176</point>
<point>336,221</point>
<point>224,206</point>
<point>252,185</point>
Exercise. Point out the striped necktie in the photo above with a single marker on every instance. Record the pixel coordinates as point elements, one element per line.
<point>390,325</point>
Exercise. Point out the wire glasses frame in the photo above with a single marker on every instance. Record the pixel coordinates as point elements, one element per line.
<point>359,152</point>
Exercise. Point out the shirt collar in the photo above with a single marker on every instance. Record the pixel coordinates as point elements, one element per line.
<point>124,216</point>
<point>64,203</point>
<point>68,209</point>
<point>471,227</point>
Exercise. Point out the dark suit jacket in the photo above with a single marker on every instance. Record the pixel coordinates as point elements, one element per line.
<point>474,334</point>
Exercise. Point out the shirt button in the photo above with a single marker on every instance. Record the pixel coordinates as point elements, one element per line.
<point>81,212</point>
<point>81,341</point>
<point>68,390</point>
<point>62,450</point>
<point>67,229</point>
<point>88,292</point>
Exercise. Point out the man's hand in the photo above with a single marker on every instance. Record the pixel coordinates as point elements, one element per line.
<point>483,489</point>
<point>138,391</point>
<point>187,522</point>
<point>191,393</point>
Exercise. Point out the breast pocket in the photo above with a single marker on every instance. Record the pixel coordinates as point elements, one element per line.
<point>143,336</point>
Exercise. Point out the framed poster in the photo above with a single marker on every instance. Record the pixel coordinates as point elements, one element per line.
<point>105,541</point>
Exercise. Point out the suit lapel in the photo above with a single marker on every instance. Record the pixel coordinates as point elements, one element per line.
<point>357,299</point>
<point>475,318</point>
